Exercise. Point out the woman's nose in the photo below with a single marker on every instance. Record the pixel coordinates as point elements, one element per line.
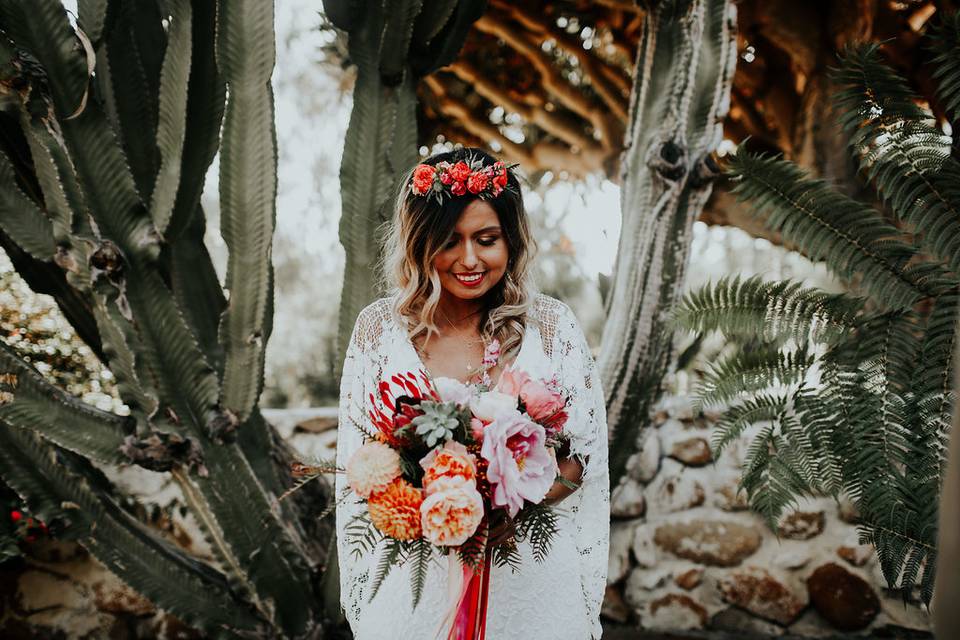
<point>469,258</point>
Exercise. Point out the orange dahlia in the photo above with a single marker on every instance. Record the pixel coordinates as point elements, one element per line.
<point>395,511</point>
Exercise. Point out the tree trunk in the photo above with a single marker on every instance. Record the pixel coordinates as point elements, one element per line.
<point>681,94</point>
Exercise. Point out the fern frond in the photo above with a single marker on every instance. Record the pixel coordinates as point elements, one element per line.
<point>507,555</point>
<point>391,556</point>
<point>538,524</point>
<point>749,371</point>
<point>759,408</point>
<point>900,149</point>
<point>851,238</point>
<point>771,485</point>
<point>362,535</point>
<point>472,551</point>
<point>419,552</point>
<point>773,311</point>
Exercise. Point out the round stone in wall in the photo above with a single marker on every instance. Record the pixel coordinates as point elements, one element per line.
<point>845,600</point>
<point>718,543</point>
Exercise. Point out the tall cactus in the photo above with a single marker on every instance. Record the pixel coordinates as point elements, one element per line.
<point>101,176</point>
<point>393,44</point>
<point>681,93</point>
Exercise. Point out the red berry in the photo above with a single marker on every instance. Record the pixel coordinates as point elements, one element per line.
<point>31,538</point>
<point>16,515</point>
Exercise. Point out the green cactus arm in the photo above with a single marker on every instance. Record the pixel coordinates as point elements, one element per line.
<point>92,17</point>
<point>365,175</point>
<point>395,44</point>
<point>132,50</point>
<point>248,187</point>
<point>343,13</point>
<point>444,47</point>
<point>433,17</point>
<point>29,401</point>
<point>196,288</point>
<point>135,388</point>
<point>60,195</point>
<point>21,218</point>
<point>206,95</point>
<point>164,343</point>
<point>31,21</point>
<point>172,119</point>
<point>187,588</point>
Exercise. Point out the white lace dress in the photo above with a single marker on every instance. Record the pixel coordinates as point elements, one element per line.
<point>558,599</point>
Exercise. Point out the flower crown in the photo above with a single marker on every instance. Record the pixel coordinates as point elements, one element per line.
<point>459,179</point>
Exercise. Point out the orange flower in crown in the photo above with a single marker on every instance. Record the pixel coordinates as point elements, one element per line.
<point>460,178</point>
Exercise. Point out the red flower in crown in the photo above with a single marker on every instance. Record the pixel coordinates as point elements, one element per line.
<point>460,171</point>
<point>500,177</point>
<point>477,182</point>
<point>423,178</point>
<point>430,180</point>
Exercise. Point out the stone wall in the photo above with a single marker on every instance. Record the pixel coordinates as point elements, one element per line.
<point>686,553</point>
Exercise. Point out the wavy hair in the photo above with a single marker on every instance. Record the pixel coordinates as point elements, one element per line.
<point>421,227</point>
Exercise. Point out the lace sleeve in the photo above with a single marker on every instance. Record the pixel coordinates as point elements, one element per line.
<point>587,425</point>
<point>354,390</point>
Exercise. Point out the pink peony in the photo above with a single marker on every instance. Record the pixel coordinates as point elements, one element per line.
<point>490,404</point>
<point>512,381</point>
<point>372,467</point>
<point>452,512</point>
<point>452,390</point>
<point>519,465</point>
<point>452,461</point>
<point>541,401</point>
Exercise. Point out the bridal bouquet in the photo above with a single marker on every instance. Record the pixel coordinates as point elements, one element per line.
<point>445,459</point>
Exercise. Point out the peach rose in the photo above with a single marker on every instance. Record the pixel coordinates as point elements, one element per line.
<point>452,513</point>
<point>452,461</point>
<point>371,468</point>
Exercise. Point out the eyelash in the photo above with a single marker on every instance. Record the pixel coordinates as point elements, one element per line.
<point>483,243</point>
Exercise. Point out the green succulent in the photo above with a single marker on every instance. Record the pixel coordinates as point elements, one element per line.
<point>438,422</point>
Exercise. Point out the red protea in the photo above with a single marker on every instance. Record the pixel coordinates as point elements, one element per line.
<point>397,406</point>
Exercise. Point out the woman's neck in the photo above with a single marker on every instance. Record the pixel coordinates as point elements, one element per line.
<point>457,314</point>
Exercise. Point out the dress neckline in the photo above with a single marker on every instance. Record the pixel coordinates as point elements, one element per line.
<point>420,363</point>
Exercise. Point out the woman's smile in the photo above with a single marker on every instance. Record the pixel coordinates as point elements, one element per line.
<point>475,257</point>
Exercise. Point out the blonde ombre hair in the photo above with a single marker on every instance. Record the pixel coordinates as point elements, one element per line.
<point>420,228</point>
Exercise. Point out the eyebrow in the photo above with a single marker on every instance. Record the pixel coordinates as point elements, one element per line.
<point>482,231</point>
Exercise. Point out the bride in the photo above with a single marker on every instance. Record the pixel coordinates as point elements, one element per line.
<point>458,259</point>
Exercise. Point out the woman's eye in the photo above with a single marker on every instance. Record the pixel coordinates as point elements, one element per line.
<point>450,244</point>
<point>486,242</point>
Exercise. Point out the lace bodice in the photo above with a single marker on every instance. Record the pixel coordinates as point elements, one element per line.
<point>558,599</point>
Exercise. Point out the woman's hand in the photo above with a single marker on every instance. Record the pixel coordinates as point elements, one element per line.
<point>572,471</point>
<point>501,528</point>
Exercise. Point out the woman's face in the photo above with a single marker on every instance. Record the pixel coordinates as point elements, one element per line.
<point>475,258</point>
